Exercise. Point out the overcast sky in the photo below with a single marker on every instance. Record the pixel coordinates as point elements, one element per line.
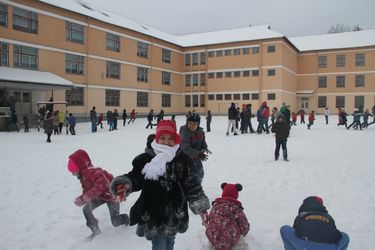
<point>289,17</point>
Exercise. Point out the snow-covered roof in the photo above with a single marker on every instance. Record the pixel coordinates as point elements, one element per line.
<point>335,41</point>
<point>231,35</point>
<point>23,76</point>
<point>215,37</point>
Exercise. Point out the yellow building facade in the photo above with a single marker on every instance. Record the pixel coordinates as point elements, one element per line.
<point>114,62</point>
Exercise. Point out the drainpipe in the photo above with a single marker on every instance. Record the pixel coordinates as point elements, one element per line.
<point>87,66</point>
<point>260,78</point>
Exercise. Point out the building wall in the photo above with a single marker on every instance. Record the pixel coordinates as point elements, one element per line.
<point>295,72</point>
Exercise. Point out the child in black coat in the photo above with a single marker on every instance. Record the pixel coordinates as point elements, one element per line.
<point>165,177</point>
<point>281,129</point>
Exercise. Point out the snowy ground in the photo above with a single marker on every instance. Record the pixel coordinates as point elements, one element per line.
<point>37,192</point>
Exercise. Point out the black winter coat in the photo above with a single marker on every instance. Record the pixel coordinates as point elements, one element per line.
<point>192,142</point>
<point>161,209</point>
<point>232,113</point>
<point>313,223</point>
<point>281,130</point>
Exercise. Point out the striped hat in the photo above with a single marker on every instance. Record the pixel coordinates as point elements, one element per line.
<point>167,127</point>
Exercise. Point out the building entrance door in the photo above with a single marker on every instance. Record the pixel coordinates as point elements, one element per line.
<point>305,103</point>
<point>23,102</point>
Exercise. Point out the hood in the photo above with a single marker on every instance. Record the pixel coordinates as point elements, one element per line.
<point>81,159</point>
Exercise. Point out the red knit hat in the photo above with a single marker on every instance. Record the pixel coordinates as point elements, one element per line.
<point>230,190</point>
<point>167,127</point>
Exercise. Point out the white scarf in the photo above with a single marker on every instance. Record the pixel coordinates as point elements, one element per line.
<point>156,167</point>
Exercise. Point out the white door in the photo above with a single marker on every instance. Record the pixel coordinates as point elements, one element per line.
<point>305,103</point>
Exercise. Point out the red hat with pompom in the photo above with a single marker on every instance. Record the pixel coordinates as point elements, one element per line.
<point>167,127</point>
<point>230,190</point>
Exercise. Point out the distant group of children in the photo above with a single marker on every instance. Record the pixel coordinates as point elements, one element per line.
<point>169,175</point>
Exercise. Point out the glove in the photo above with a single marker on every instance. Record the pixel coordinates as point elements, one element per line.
<point>203,155</point>
<point>119,180</point>
<point>79,201</point>
<point>121,192</point>
<point>204,217</point>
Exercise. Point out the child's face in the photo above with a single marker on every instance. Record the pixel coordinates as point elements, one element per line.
<point>192,125</point>
<point>167,139</point>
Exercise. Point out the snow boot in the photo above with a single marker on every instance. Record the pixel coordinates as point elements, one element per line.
<point>285,155</point>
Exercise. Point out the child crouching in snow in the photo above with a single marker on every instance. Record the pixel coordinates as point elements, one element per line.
<point>95,184</point>
<point>168,184</point>
<point>227,222</point>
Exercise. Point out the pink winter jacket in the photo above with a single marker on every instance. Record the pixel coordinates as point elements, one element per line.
<point>227,222</point>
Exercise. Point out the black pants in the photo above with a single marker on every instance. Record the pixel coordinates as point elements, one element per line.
<point>49,137</point>
<point>124,122</point>
<point>60,127</point>
<point>356,124</point>
<point>117,219</point>
<point>310,124</point>
<point>208,127</point>
<point>72,130</point>
<point>149,124</point>
<point>326,116</point>
<point>281,143</point>
<point>302,119</point>
<point>131,120</point>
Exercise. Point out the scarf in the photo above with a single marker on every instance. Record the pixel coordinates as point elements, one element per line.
<point>157,166</point>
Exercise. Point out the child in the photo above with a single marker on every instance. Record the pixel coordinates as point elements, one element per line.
<point>132,116</point>
<point>150,117</point>
<point>281,129</point>
<point>124,116</point>
<point>313,228</point>
<point>100,120</point>
<point>55,121</point>
<point>294,118</point>
<point>227,221</point>
<point>26,123</point>
<point>72,123</point>
<point>164,176</point>
<point>302,115</point>
<point>311,119</point>
<point>208,121</point>
<point>95,183</point>
<point>193,143</point>
<point>48,125</point>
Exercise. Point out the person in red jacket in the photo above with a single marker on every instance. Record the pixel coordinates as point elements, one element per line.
<point>227,222</point>
<point>311,119</point>
<point>132,116</point>
<point>301,113</point>
<point>95,184</point>
<point>294,118</point>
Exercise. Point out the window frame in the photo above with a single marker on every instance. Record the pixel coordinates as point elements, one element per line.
<point>322,62</point>
<point>112,97</point>
<point>4,13</point>
<point>339,100</point>
<point>74,28</point>
<point>359,101</point>
<point>271,48</point>
<point>340,81</point>
<point>142,99</point>
<point>142,74</point>
<point>166,100</point>
<point>271,96</point>
<point>322,101</point>
<point>22,54</point>
<point>340,60</point>
<point>115,40</point>
<point>194,58</point>
<point>166,78</point>
<point>360,83</point>
<point>322,81</point>
<point>30,19</point>
<point>112,68</point>
<point>187,101</point>
<point>78,62</point>
<point>360,59</point>
<point>166,55</point>
<point>4,54</point>
<point>142,49</point>
<point>75,96</point>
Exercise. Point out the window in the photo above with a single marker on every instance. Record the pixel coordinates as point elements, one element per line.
<point>166,55</point>
<point>187,59</point>
<point>142,75</point>
<point>211,54</point>
<point>202,100</point>
<point>187,80</point>
<point>195,100</point>
<point>245,96</point>
<point>211,75</point>
<point>340,81</point>
<point>3,15</point>
<point>166,78</point>
<point>237,52</point>
<point>74,32</point>
<point>255,50</point>
<point>112,97</point>
<point>271,96</point>
<point>255,72</point>
<point>25,20</point>
<point>360,59</point>
<point>219,74</point>
<point>219,97</point>
<point>246,73</point>
<point>195,58</point>
<point>4,54</point>
<point>74,96</point>
<point>228,74</point>
<point>322,101</point>
<point>322,61</point>
<point>195,80</point>
<point>254,96</point>
<point>166,100</point>
<point>25,57</point>
<point>142,50</point>
<point>113,70</point>
<point>142,99</point>
<point>228,97</point>
<point>322,82</point>
<point>228,52</point>
<point>203,79</point>
<point>187,101</point>
<point>17,96</point>
<point>203,58</point>
<point>246,51</point>
<point>340,61</point>
<point>219,53</point>
<point>74,64</point>
<point>271,48</point>
<point>26,97</point>
<point>359,80</point>
<point>271,72</point>
<point>211,97</point>
<point>113,42</point>
<point>340,101</point>
<point>359,101</point>
<point>237,73</point>
<point>236,96</point>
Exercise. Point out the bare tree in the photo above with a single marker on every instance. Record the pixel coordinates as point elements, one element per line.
<point>339,28</point>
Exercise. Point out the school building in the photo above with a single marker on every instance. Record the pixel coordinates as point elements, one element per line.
<point>91,57</point>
